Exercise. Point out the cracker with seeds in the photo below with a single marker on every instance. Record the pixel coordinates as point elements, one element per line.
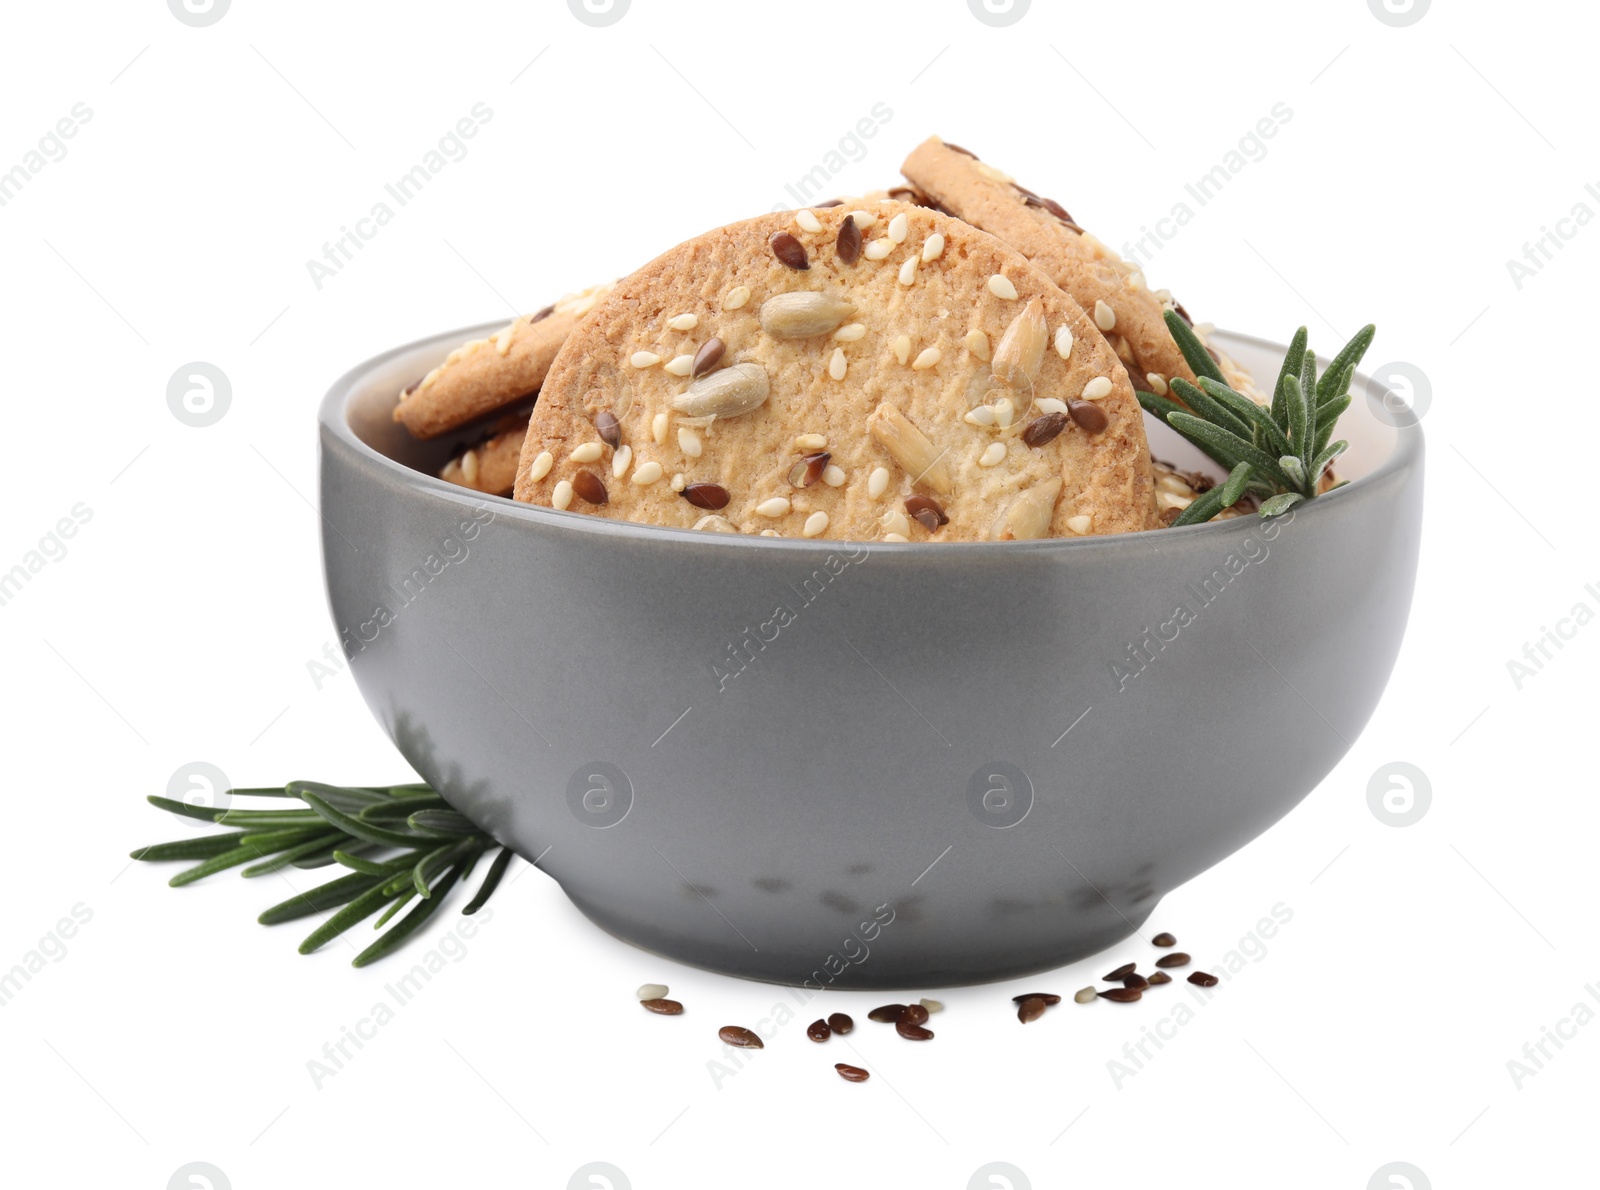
<point>490,466</point>
<point>484,375</point>
<point>883,372</point>
<point>1109,288</point>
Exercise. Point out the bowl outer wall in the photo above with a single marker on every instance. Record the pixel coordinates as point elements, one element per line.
<point>863,765</point>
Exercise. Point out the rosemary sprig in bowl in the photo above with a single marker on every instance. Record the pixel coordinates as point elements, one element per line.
<point>400,842</point>
<point>1278,453</point>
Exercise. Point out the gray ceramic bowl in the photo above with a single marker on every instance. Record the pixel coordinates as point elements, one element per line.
<point>868,765</point>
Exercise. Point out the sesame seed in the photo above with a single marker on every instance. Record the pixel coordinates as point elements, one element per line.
<point>977,345</point>
<point>770,533</point>
<point>807,221</point>
<point>1000,285</point>
<point>1166,500</point>
<point>561,497</point>
<point>644,359</point>
<point>1097,388</point>
<point>583,306</point>
<point>850,332</point>
<point>908,271</point>
<point>897,228</point>
<point>1052,405</point>
<point>1064,342</point>
<point>810,442</point>
<point>679,365</point>
<point>1078,524</point>
<point>878,482</point>
<point>469,466</point>
<point>902,348</point>
<point>896,521</point>
<point>1136,280</point>
<point>775,507</point>
<point>992,454</point>
<point>877,250</point>
<point>933,247</point>
<point>678,482</point>
<point>895,537</point>
<point>689,442</point>
<point>1004,410</point>
<point>1104,316</point>
<point>587,453</point>
<point>983,415</point>
<point>683,322</point>
<point>620,461</point>
<point>833,475</point>
<point>647,473</point>
<point>541,466</point>
<point>927,359</point>
<point>1157,383</point>
<point>864,219</point>
<point>736,297</point>
<point>658,428</point>
<point>837,364</point>
<point>816,525</point>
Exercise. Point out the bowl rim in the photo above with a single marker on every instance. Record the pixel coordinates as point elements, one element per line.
<point>1406,453</point>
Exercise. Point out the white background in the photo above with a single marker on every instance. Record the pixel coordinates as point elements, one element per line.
<point>178,626</point>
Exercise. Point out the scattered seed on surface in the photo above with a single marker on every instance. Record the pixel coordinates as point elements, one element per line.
<point>977,345</point>
<point>711,496</point>
<point>1047,997</point>
<point>1163,940</point>
<point>1004,410</point>
<point>886,1013</point>
<point>1052,404</point>
<point>818,1030</point>
<point>851,1074</point>
<point>586,485</point>
<point>911,1030</point>
<point>740,1037</point>
<point>1088,415</point>
<point>993,455</point>
<point>1176,959</point>
<point>837,364</point>
<point>1031,1009</point>
<point>678,365</point>
<point>1121,972</point>
<point>658,428</point>
<point>620,461</point>
<point>897,522</point>
<point>840,1022</point>
<point>802,313</point>
<point>1097,389</point>
<point>1136,981</point>
<point>833,475</point>
<point>728,392</point>
<point>926,358</point>
<point>1203,979</point>
<point>736,297</point>
<point>1159,977</point>
<point>848,243</point>
<point>1000,285</point>
<point>983,415</point>
<point>644,359</point>
<point>809,442</point>
<point>877,250</point>
<point>561,497</point>
<point>808,470</point>
<point>662,1007</point>
<point>1084,995</point>
<point>850,332</point>
<point>863,219</point>
<point>605,423</point>
<point>689,442</point>
<point>902,348</point>
<point>1079,524</point>
<point>646,474</point>
<point>816,525</point>
<point>807,221</point>
<point>931,1005</point>
<point>915,1013</point>
<point>678,483</point>
<point>651,991</point>
<point>1104,316</point>
<point>927,512</point>
<point>1043,430</point>
<point>588,452</point>
<point>708,357</point>
<point>897,228</point>
<point>789,250</point>
<point>1064,342</point>
<point>774,507</point>
<point>1121,995</point>
<point>541,465</point>
<point>877,482</point>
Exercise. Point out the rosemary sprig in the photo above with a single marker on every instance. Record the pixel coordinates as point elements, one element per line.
<point>1278,453</point>
<point>400,843</point>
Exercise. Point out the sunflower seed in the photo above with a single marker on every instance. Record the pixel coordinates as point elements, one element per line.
<point>851,1074</point>
<point>789,250</point>
<point>1046,429</point>
<point>740,1037</point>
<point>910,447</point>
<point>662,1007</point>
<point>708,357</point>
<point>1088,415</point>
<point>1083,995</point>
<point>586,485</point>
<point>818,1030</point>
<point>1176,959</point>
<point>736,389</point>
<point>840,1022</point>
<point>803,313</point>
<point>706,495</point>
<point>1021,348</point>
<point>1203,979</point>
<point>1031,1009</point>
<point>1029,515</point>
<point>886,1014</point>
